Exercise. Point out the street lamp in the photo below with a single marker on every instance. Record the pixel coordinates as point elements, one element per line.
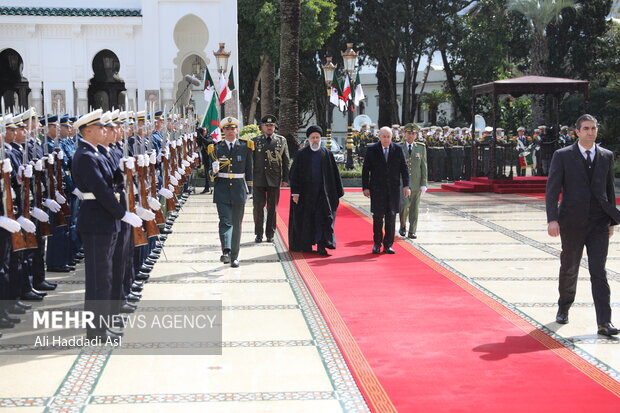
<point>328,71</point>
<point>350,59</point>
<point>221,60</point>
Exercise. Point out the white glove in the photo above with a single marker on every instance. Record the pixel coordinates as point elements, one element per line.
<point>185,163</point>
<point>51,205</point>
<point>59,198</point>
<point>177,176</point>
<point>179,142</point>
<point>173,144</point>
<point>6,166</point>
<point>167,154</point>
<point>26,224</point>
<point>40,215</point>
<point>181,171</point>
<point>215,166</point>
<point>9,224</point>
<point>50,159</point>
<point>171,188</point>
<point>78,194</point>
<point>130,163</point>
<point>38,165</point>
<point>248,197</point>
<point>61,155</point>
<point>27,172</point>
<point>165,193</point>
<point>153,204</point>
<point>144,214</point>
<point>194,155</point>
<point>174,181</point>
<point>153,158</point>
<point>132,219</point>
<point>423,189</point>
<point>141,162</point>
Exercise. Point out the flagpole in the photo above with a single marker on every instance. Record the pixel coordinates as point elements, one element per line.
<point>350,59</point>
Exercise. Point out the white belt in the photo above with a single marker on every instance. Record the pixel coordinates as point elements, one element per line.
<point>89,196</point>
<point>230,176</point>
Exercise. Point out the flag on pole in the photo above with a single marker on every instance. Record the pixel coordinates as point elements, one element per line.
<point>209,87</point>
<point>223,89</point>
<point>335,96</point>
<point>359,91</point>
<point>211,120</point>
<point>346,91</point>
<point>231,81</point>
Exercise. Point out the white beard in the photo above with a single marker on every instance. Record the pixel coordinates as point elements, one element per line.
<point>315,147</point>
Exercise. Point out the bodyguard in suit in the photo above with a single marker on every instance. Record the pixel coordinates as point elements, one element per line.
<point>271,167</point>
<point>415,156</point>
<point>232,169</point>
<point>98,220</point>
<point>584,174</point>
<point>384,167</point>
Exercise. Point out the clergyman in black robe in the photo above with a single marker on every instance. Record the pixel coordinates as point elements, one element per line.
<point>315,192</point>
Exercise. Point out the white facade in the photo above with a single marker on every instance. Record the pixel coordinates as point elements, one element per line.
<point>436,80</point>
<point>155,49</point>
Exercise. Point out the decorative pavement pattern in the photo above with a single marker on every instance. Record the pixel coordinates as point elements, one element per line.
<point>278,353</point>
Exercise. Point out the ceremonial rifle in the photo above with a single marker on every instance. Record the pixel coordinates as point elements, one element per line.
<point>59,172</point>
<point>172,202</point>
<point>44,226</point>
<point>159,215</point>
<point>31,238</point>
<point>151,226</point>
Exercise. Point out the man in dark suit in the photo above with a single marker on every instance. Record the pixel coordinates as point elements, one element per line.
<point>384,167</point>
<point>584,174</point>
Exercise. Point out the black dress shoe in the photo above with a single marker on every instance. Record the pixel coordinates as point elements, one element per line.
<point>141,276</point>
<point>607,329</point>
<point>259,238</point>
<point>166,231</point>
<point>16,310</point>
<point>376,249</point>
<point>64,268</point>
<point>14,320</point>
<point>136,288</point>
<point>156,250</point>
<point>119,322</point>
<point>154,256</point>
<point>225,258</point>
<point>234,263</point>
<point>23,305</point>
<point>4,323</point>
<point>31,296</point>
<point>269,239</point>
<point>127,308</point>
<point>389,250</point>
<point>45,286</point>
<point>79,256</point>
<point>401,232</point>
<point>149,262</point>
<point>412,235</point>
<point>561,317</point>
<point>146,268</point>
<point>133,298</point>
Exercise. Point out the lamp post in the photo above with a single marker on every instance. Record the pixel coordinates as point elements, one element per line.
<point>221,59</point>
<point>328,72</point>
<point>349,57</point>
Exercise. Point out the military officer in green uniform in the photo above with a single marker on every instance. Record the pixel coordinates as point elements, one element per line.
<point>232,172</point>
<point>415,156</point>
<point>271,166</point>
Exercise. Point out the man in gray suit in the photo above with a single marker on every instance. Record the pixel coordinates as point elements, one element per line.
<point>584,174</point>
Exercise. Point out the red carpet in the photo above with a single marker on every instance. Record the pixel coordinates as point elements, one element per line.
<point>419,339</point>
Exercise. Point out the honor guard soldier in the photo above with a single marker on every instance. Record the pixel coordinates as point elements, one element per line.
<point>415,156</point>
<point>232,172</point>
<point>271,166</point>
<point>98,221</point>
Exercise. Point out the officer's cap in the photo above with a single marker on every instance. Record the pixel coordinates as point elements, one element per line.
<point>16,123</point>
<point>229,122</point>
<point>564,128</point>
<point>373,125</point>
<point>65,120</point>
<point>6,119</point>
<point>142,115</point>
<point>411,127</point>
<point>520,128</point>
<point>90,119</point>
<point>269,120</point>
<point>159,114</point>
<point>395,126</point>
<point>28,114</point>
<point>51,119</point>
<point>499,129</point>
<point>110,118</point>
<point>488,129</point>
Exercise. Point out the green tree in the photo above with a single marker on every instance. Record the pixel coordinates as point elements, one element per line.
<point>290,20</point>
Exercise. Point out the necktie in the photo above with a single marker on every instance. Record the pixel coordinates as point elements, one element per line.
<point>588,160</point>
<point>230,146</point>
<point>385,153</point>
<point>410,149</point>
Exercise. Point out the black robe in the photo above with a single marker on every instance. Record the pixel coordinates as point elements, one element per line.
<point>318,201</point>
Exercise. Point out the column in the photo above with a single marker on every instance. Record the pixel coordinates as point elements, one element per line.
<point>36,99</point>
<point>81,106</point>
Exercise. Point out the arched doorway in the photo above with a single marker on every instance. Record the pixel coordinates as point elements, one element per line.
<point>13,86</point>
<point>106,86</point>
<point>193,65</point>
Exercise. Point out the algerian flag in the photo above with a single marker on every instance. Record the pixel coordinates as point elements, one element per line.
<point>211,120</point>
<point>346,91</point>
<point>359,91</point>
<point>335,96</point>
<point>209,85</point>
<point>231,81</point>
<point>223,90</point>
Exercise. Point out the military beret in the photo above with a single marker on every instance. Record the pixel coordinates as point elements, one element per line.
<point>228,122</point>
<point>269,120</point>
<point>312,129</point>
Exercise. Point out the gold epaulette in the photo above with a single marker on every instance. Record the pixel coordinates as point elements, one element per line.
<point>210,149</point>
<point>420,143</point>
<point>250,144</point>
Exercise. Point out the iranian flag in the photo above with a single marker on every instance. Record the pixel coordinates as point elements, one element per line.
<point>209,87</point>
<point>335,96</point>
<point>211,120</point>
<point>223,89</point>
